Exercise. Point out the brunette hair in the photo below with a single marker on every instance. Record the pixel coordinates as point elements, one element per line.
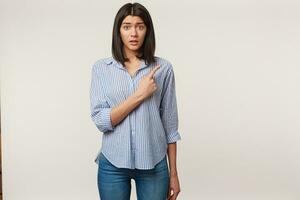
<point>148,48</point>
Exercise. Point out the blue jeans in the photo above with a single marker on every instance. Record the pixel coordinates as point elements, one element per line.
<point>115,183</point>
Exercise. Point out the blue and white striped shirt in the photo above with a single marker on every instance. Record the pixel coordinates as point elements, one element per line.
<point>141,139</point>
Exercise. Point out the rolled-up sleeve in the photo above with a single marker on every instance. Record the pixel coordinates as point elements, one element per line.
<point>100,109</point>
<point>168,108</point>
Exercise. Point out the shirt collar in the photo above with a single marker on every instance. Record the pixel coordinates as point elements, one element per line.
<point>113,62</point>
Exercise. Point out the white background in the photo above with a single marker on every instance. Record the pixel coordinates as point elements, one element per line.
<point>237,75</point>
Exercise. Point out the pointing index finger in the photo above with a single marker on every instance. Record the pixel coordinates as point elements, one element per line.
<point>151,73</point>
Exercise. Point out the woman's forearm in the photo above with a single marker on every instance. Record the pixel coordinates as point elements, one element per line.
<point>172,151</point>
<point>146,88</point>
<point>119,112</point>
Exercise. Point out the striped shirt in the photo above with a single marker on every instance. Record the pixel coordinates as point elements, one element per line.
<point>141,139</point>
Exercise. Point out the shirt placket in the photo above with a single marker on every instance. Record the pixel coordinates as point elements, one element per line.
<point>132,119</point>
<point>132,116</point>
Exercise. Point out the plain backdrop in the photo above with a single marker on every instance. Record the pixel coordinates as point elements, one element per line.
<point>236,65</point>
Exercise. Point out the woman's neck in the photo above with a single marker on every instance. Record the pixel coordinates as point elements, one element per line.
<point>131,55</point>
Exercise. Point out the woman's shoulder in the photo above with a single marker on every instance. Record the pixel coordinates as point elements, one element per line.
<point>164,62</point>
<point>104,60</point>
<point>101,63</point>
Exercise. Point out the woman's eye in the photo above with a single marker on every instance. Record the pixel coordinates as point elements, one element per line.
<point>127,27</point>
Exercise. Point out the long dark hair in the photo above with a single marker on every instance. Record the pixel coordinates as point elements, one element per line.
<point>148,48</point>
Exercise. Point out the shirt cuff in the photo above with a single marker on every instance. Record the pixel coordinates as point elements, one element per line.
<point>173,137</point>
<point>106,120</point>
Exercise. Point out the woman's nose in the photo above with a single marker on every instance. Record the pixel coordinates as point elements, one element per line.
<point>133,32</point>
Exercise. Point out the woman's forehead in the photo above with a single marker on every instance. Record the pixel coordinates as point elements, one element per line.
<point>132,20</point>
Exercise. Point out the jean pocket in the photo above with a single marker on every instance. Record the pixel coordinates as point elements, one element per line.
<point>162,164</point>
<point>104,162</point>
<point>102,157</point>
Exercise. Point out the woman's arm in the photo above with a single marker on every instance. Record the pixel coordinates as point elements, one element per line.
<point>119,112</point>
<point>146,87</point>
<point>172,151</point>
<point>169,117</point>
<point>106,117</point>
<point>174,186</point>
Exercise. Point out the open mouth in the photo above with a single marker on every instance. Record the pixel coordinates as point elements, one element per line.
<point>133,42</point>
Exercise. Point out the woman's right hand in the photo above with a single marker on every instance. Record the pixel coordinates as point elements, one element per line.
<point>147,85</point>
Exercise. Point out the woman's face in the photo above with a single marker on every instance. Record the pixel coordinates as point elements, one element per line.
<point>133,31</point>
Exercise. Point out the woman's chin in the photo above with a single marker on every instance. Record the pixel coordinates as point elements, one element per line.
<point>133,48</point>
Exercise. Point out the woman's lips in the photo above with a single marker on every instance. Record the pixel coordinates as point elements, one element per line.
<point>133,42</point>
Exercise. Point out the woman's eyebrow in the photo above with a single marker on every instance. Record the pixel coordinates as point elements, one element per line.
<point>130,23</point>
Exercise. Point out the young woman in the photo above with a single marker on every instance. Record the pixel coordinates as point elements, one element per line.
<point>133,103</point>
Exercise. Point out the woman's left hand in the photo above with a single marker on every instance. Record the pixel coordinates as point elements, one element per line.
<point>174,186</point>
